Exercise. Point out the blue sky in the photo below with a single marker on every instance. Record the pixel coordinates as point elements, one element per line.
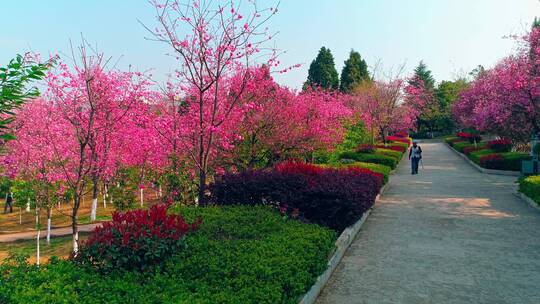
<point>451,36</point>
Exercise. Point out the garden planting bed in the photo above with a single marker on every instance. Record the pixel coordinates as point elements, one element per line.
<point>493,157</point>
<point>529,190</point>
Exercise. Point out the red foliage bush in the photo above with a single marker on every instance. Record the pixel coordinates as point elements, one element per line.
<point>469,136</point>
<point>295,167</point>
<point>365,148</point>
<point>500,145</point>
<point>469,150</point>
<point>135,239</point>
<point>392,147</point>
<point>335,198</point>
<point>492,161</point>
<point>399,139</point>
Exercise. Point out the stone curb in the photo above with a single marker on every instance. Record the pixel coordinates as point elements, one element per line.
<point>527,199</point>
<point>343,242</point>
<point>483,170</point>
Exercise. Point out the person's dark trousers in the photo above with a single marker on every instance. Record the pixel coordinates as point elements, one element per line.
<point>10,205</point>
<point>414,164</point>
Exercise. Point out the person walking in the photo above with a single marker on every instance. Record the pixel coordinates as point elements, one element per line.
<point>9,202</point>
<point>415,156</point>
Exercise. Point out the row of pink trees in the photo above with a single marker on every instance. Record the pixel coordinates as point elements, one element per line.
<point>505,100</point>
<point>222,110</point>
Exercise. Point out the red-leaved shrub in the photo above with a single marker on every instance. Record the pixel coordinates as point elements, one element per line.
<point>399,139</point>
<point>401,134</point>
<point>491,161</point>
<point>294,167</point>
<point>335,198</point>
<point>135,240</point>
<point>500,145</point>
<point>365,148</point>
<point>469,150</point>
<point>401,149</point>
<point>469,136</point>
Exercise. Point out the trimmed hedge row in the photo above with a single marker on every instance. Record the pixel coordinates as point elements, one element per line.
<point>369,158</point>
<point>382,169</point>
<point>530,186</point>
<point>239,255</point>
<point>335,198</point>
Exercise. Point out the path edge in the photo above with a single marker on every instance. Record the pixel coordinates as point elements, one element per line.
<point>483,170</point>
<point>343,242</point>
<point>527,200</point>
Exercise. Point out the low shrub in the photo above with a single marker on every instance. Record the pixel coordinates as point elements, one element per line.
<point>475,156</point>
<point>491,161</point>
<point>382,169</point>
<point>135,240</point>
<point>459,146</point>
<point>500,145</point>
<point>471,137</point>
<point>512,160</point>
<point>369,158</point>
<point>365,148</point>
<point>335,198</point>
<point>238,255</point>
<point>393,147</point>
<point>468,150</point>
<point>387,152</point>
<point>399,139</point>
<point>530,186</point>
<point>509,161</point>
<point>453,140</point>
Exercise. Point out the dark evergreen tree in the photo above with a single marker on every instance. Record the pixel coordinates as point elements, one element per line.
<point>421,72</point>
<point>322,71</point>
<point>354,72</point>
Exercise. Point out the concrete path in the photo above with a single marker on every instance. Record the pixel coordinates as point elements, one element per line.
<point>12,237</point>
<point>448,235</point>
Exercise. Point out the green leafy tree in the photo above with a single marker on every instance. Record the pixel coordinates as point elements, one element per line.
<point>421,72</point>
<point>354,72</point>
<point>14,81</point>
<point>322,71</point>
<point>477,72</point>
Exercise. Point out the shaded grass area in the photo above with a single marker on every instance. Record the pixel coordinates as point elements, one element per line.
<point>59,246</point>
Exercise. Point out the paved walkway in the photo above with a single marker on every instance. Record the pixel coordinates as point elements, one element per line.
<point>448,235</point>
<point>12,237</point>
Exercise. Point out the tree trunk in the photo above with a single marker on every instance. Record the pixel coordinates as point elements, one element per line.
<point>105,196</point>
<point>160,191</point>
<point>202,187</point>
<point>28,209</point>
<point>75,225</point>
<point>20,216</point>
<point>38,228</point>
<point>95,192</point>
<point>142,197</point>
<point>49,217</point>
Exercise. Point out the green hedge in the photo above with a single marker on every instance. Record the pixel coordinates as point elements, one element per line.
<point>369,158</point>
<point>387,152</point>
<point>475,156</point>
<point>512,160</point>
<point>530,186</point>
<point>239,255</point>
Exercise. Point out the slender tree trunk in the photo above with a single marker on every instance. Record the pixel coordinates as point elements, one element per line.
<point>142,197</point>
<point>20,216</point>
<point>28,209</point>
<point>202,187</point>
<point>75,224</point>
<point>38,236</point>
<point>49,220</point>
<point>105,196</point>
<point>160,191</point>
<point>95,192</point>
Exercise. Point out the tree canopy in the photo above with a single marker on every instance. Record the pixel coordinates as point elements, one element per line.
<point>354,71</point>
<point>322,71</point>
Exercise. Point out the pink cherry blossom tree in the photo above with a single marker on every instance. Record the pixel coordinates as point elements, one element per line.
<point>215,44</point>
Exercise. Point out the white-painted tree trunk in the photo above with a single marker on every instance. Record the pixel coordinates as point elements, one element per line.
<point>93,212</point>
<point>20,216</point>
<point>76,243</point>
<point>142,197</point>
<point>160,191</point>
<point>28,206</point>
<point>49,217</point>
<point>105,196</point>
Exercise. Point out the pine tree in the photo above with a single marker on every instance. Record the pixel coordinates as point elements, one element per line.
<point>421,72</point>
<point>322,71</point>
<point>354,72</point>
